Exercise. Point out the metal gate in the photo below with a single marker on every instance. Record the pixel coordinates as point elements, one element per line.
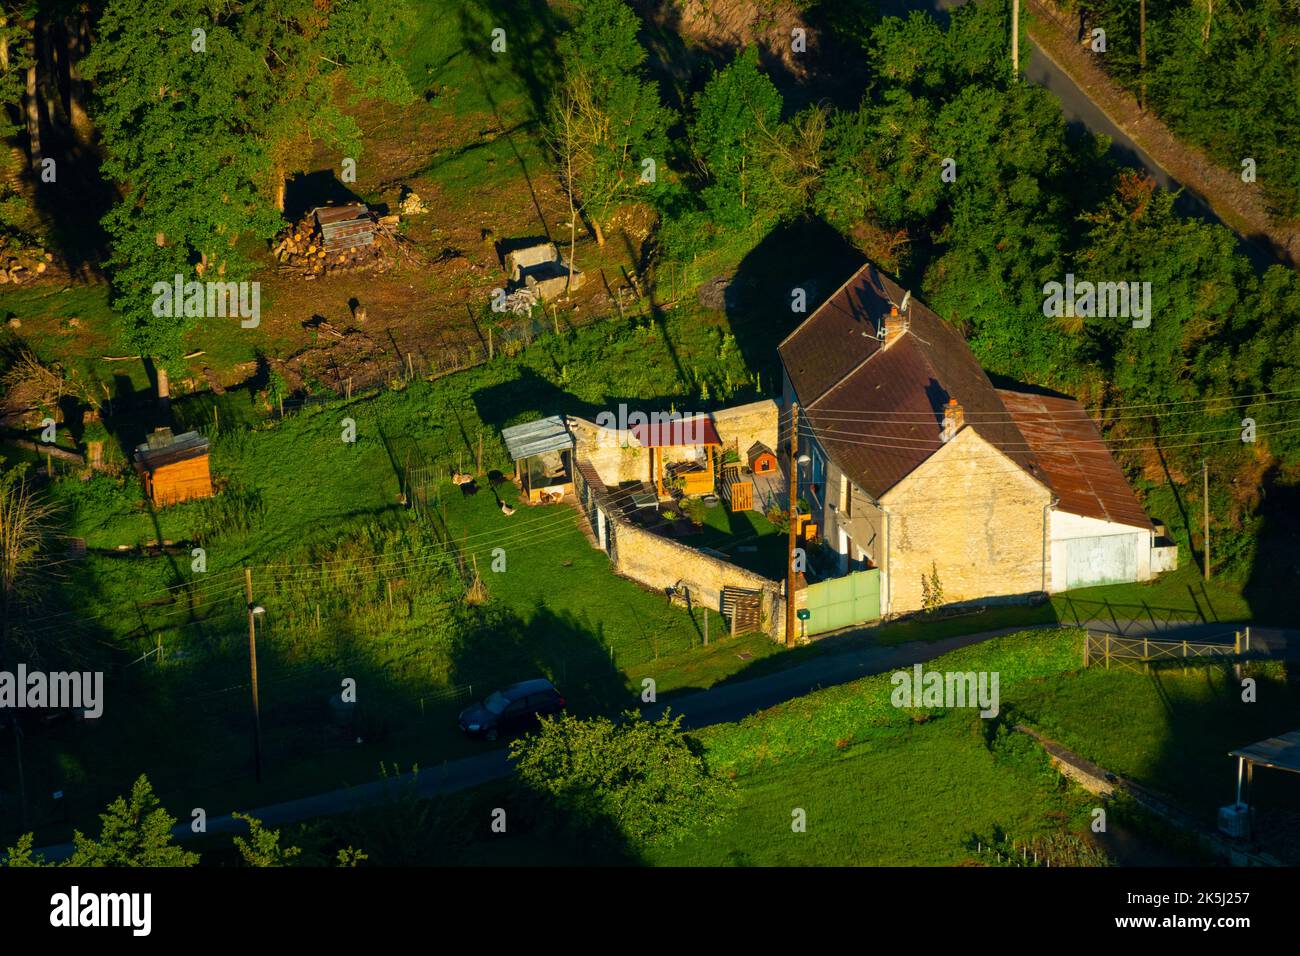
<point>1109,559</point>
<point>843,602</point>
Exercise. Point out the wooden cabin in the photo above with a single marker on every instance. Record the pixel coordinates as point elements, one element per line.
<point>174,468</point>
<point>542,451</point>
<point>762,460</point>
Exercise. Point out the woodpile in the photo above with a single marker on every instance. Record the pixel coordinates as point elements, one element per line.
<point>302,249</point>
<point>21,266</point>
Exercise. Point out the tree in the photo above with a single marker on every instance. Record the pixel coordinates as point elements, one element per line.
<point>262,848</point>
<point>644,779</point>
<point>606,113</point>
<point>736,113</point>
<point>199,107</point>
<point>135,832</point>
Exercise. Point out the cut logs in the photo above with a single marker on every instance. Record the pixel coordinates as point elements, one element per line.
<point>331,239</point>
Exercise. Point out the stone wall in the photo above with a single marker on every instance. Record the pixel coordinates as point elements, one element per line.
<point>977,516</point>
<point>661,563</point>
<point>745,424</point>
<point>615,454</point>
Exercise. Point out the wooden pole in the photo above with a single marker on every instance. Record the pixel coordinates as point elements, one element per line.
<point>1142,47</point>
<point>252,670</point>
<point>1015,39</point>
<point>794,509</point>
<point>1205,493</point>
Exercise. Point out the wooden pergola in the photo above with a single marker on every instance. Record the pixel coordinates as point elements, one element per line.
<point>695,432</point>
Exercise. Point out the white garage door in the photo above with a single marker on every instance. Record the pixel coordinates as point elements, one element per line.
<point>1110,559</point>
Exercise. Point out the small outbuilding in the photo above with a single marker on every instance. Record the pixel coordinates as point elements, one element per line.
<point>542,451</point>
<point>762,460</point>
<point>685,446</point>
<point>542,270</point>
<point>174,468</point>
<point>344,228</point>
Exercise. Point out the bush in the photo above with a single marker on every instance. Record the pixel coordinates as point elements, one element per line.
<point>645,782</point>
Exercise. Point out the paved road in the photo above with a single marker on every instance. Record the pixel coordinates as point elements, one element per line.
<point>721,704</point>
<point>1082,113</point>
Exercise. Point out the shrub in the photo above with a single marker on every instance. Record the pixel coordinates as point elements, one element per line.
<point>643,781</point>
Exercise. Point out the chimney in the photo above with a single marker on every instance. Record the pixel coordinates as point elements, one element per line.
<point>895,325</point>
<point>953,419</point>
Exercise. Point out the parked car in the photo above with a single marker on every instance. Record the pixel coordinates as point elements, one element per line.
<point>511,710</point>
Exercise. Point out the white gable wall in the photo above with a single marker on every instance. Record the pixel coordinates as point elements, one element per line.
<point>1078,538</point>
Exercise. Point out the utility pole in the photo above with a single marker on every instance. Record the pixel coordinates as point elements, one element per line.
<point>794,521</point>
<point>1205,495</point>
<point>1015,39</point>
<point>252,669</point>
<point>1142,47</point>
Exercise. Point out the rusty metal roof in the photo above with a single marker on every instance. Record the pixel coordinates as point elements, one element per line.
<point>345,227</point>
<point>1075,462</point>
<point>697,430</point>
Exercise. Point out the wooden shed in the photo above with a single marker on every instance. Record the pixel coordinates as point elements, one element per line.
<point>762,460</point>
<point>343,228</point>
<point>542,451</point>
<point>174,468</point>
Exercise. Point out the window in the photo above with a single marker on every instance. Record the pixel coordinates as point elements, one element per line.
<point>497,703</point>
<point>818,474</point>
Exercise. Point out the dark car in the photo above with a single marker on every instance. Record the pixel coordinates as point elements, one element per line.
<point>508,711</point>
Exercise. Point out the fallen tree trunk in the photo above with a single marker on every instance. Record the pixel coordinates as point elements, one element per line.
<point>54,451</point>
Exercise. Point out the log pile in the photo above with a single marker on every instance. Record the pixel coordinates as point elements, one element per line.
<point>19,266</point>
<point>301,249</point>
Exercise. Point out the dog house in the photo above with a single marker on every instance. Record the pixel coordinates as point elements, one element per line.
<point>762,460</point>
<point>542,451</point>
<point>174,468</point>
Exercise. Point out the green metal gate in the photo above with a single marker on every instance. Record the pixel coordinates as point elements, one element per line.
<point>843,602</point>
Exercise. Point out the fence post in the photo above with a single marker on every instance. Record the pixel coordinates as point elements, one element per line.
<point>1146,655</point>
<point>1107,652</point>
<point>1236,642</point>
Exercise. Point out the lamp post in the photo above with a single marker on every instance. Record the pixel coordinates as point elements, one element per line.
<point>254,612</point>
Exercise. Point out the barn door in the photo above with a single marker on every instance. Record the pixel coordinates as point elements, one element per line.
<point>1108,559</point>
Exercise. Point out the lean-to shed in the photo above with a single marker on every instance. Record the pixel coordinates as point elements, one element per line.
<point>543,454</point>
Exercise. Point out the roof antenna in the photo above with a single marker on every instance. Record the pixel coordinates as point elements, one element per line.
<point>907,297</point>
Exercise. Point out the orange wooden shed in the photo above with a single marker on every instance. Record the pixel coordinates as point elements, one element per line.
<point>174,468</point>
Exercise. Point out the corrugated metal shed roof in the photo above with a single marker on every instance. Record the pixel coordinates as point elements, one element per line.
<point>1074,460</point>
<point>697,430</point>
<point>1280,753</point>
<point>345,227</point>
<point>536,438</point>
<point>180,448</point>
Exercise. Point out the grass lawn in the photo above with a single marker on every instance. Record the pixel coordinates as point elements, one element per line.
<point>1169,730</point>
<point>879,785</point>
<point>747,538</point>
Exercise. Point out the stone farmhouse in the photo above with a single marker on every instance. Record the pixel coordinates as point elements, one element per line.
<point>914,464</point>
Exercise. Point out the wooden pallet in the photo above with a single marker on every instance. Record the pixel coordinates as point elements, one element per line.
<point>743,609</point>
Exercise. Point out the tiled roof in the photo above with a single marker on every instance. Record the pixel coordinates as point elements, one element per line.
<point>1073,458</point>
<point>877,410</point>
<point>698,430</point>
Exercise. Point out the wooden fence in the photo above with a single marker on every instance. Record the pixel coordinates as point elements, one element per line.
<point>1103,649</point>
